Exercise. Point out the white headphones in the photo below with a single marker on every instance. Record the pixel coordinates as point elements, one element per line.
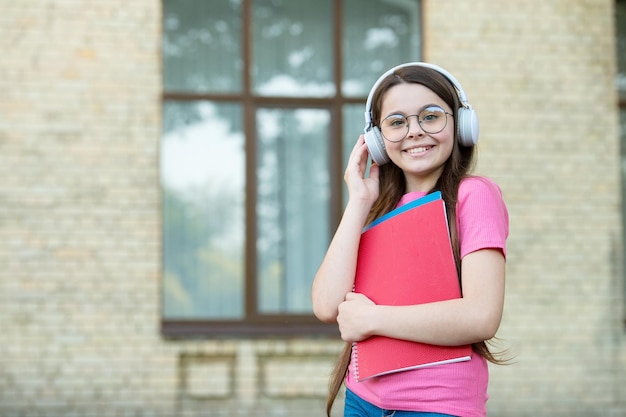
<point>467,121</point>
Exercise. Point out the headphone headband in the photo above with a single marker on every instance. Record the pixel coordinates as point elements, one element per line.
<point>450,77</point>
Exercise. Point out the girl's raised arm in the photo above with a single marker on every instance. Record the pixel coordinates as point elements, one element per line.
<point>335,277</point>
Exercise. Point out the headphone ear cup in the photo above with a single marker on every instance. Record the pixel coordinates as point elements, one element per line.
<point>376,145</point>
<point>467,126</point>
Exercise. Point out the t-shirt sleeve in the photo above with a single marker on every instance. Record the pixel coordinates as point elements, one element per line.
<point>482,216</point>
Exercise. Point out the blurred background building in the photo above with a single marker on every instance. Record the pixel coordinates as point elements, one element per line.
<point>171,175</point>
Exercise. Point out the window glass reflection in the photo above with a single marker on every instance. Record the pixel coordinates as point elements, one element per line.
<point>378,34</point>
<point>195,32</point>
<point>293,205</point>
<point>292,48</point>
<point>202,178</point>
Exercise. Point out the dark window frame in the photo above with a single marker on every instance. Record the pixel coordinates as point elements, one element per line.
<point>254,324</point>
<point>621,106</point>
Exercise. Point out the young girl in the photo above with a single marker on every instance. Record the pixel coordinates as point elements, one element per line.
<point>426,129</point>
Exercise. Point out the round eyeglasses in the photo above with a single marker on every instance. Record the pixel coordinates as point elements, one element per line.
<point>432,120</point>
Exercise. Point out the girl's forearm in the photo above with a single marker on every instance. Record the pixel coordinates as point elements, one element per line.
<point>446,323</point>
<point>473,318</point>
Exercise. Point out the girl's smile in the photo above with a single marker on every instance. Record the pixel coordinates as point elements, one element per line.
<point>418,150</point>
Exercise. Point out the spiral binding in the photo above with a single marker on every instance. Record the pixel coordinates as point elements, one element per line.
<point>355,360</point>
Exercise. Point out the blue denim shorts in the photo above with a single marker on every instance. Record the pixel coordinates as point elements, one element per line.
<point>355,406</point>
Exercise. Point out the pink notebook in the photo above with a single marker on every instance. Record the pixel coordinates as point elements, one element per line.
<point>405,258</point>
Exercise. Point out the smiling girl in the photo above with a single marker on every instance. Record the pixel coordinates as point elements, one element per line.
<point>422,134</point>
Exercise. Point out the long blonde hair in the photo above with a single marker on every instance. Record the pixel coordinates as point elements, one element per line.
<point>392,186</point>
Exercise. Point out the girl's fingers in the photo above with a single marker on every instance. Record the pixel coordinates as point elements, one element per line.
<point>356,149</point>
<point>358,156</point>
<point>374,170</point>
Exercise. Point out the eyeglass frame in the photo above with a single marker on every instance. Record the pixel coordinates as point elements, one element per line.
<point>419,122</point>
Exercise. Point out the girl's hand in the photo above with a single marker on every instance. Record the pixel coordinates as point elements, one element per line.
<point>360,187</point>
<point>355,317</point>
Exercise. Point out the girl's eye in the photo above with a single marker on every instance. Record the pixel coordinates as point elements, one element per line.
<point>395,121</point>
<point>431,114</point>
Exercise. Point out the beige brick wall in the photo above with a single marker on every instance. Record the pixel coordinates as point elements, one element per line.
<point>541,79</point>
<point>79,198</point>
<point>80,232</point>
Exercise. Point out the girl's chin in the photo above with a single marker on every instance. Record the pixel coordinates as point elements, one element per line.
<point>420,169</point>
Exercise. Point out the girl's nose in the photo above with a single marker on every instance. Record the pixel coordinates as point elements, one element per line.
<point>414,128</point>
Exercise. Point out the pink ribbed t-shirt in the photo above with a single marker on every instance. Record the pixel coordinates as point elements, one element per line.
<point>460,388</point>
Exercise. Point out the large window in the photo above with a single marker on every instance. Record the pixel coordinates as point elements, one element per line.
<point>263,99</point>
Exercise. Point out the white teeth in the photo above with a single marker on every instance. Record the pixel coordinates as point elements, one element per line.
<point>420,149</point>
